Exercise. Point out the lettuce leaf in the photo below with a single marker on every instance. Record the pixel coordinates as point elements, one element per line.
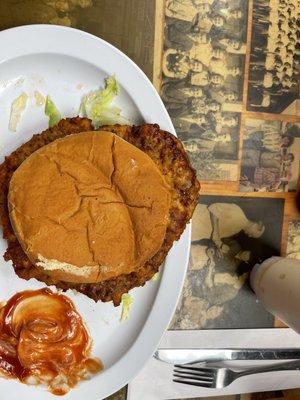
<point>52,112</point>
<point>127,301</point>
<point>96,105</point>
<point>155,277</point>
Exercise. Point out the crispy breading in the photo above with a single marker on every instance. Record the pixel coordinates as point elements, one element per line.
<point>168,154</point>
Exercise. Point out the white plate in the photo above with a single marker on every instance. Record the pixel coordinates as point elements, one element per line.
<point>66,63</point>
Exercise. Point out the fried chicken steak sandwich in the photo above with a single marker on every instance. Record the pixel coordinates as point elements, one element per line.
<point>95,210</point>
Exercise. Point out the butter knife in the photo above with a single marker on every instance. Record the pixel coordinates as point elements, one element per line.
<point>184,356</point>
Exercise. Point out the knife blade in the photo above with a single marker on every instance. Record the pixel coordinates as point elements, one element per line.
<point>192,356</point>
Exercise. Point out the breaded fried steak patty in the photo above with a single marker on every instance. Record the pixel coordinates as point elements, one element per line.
<point>169,156</point>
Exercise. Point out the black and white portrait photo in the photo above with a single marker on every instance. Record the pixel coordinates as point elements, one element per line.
<point>202,80</point>
<point>270,157</point>
<point>230,235</point>
<point>274,70</point>
<point>293,242</point>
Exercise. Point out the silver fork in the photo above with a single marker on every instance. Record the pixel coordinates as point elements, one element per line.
<point>217,378</point>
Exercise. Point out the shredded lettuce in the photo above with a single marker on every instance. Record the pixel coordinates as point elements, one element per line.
<point>96,105</point>
<point>17,108</point>
<point>52,112</point>
<point>127,301</point>
<point>155,277</point>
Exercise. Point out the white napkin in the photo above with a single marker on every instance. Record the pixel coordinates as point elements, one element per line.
<point>154,382</point>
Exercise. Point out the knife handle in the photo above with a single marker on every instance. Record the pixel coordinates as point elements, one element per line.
<point>292,365</point>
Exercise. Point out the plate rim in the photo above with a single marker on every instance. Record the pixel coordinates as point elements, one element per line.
<point>170,285</point>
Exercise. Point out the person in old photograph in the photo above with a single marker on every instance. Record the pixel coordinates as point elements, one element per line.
<point>214,227</point>
<point>270,156</point>
<point>202,80</point>
<point>274,70</point>
<point>214,138</point>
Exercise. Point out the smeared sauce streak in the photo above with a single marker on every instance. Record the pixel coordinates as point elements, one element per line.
<point>44,340</point>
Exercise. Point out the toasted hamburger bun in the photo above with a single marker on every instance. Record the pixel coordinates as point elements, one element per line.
<point>89,207</point>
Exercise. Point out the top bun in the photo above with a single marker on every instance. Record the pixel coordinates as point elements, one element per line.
<point>89,207</point>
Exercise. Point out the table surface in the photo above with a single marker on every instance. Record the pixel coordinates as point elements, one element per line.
<point>219,83</point>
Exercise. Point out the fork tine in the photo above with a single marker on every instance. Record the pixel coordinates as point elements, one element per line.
<point>193,383</point>
<point>198,369</point>
<point>200,376</point>
<point>194,377</point>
